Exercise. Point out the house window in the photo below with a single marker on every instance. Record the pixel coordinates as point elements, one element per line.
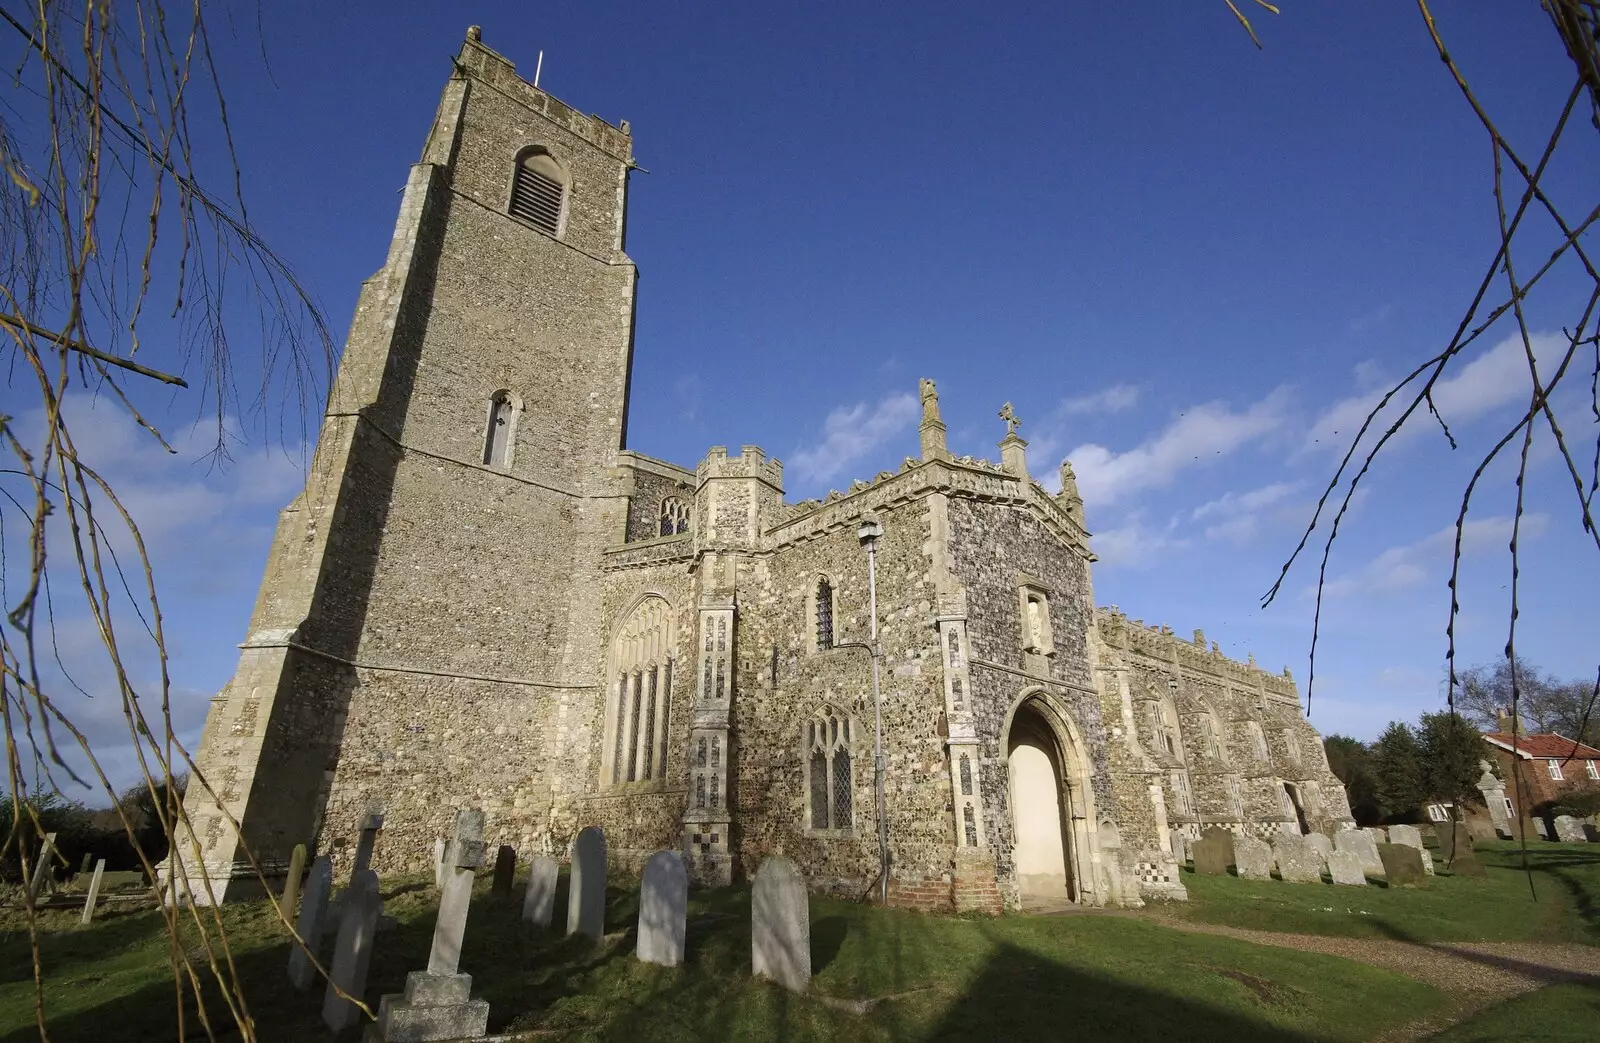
<point>831,784</point>
<point>824,614</point>
<point>1592,768</point>
<point>674,516</point>
<point>539,190</point>
<point>1510,809</point>
<point>1555,770</point>
<point>641,661</point>
<point>1438,813</point>
<point>498,439</point>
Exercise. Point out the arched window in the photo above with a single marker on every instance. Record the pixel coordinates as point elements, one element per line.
<point>502,429</point>
<point>824,614</point>
<point>674,516</point>
<point>641,661</point>
<point>831,781</point>
<point>539,190</point>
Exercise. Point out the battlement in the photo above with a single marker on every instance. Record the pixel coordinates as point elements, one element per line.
<point>1159,642</point>
<point>496,70</point>
<point>752,462</point>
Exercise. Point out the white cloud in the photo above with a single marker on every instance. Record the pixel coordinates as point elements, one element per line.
<point>851,433</point>
<point>1113,399</point>
<point>1197,436</point>
<point>1429,558</point>
<point>1468,390</point>
<point>1238,516</point>
<point>1135,544</point>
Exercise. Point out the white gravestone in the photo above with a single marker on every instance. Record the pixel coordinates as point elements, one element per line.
<point>1253,858</point>
<point>1377,833</point>
<point>1569,830</point>
<point>94,891</point>
<point>309,924</point>
<point>586,891</point>
<point>352,952</point>
<point>1298,861</point>
<point>1410,836</point>
<point>1359,843</point>
<point>1427,860</point>
<point>1345,868</point>
<point>780,925</point>
<point>1321,843</point>
<point>41,870</point>
<point>663,905</point>
<point>438,1003</point>
<point>539,900</point>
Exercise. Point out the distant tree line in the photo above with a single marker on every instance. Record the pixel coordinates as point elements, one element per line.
<point>94,832</point>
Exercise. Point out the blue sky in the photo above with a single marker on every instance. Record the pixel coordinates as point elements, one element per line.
<point>1186,262</point>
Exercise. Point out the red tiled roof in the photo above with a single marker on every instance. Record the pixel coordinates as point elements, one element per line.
<point>1545,746</point>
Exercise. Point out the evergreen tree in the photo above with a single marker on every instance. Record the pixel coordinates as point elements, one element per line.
<point>1451,750</point>
<point>1351,761</point>
<point>1396,760</point>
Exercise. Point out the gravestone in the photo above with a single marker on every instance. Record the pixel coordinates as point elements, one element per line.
<point>1427,860</point>
<point>1180,847</point>
<point>1591,833</point>
<point>439,846</point>
<point>41,870</point>
<point>1569,830</point>
<point>1454,838</point>
<point>780,925</point>
<point>505,871</point>
<point>1359,843</point>
<point>1298,861</point>
<point>1345,868</point>
<point>1466,863</point>
<point>94,891</point>
<point>663,905</point>
<point>1253,857</point>
<point>1402,865</point>
<point>586,889</point>
<point>291,883</point>
<point>1543,828</point>
<point>438,1003</point>
<point>309,924</point>
<point>1378,835</point>
<point>1224,836</point>
<point>1481,829</point>
<point>1321,843</point>
<point>352,951</point>
<point>1212,856</point>
<point>369,840</point>
<point>83,866</point>
<point>1410,836</point>
<point>539,900</point>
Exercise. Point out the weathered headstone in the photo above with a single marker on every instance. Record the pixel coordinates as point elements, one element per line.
<point>1454,838</point>
<point>663,905</point>
<point>309,924</point>
<point>438,1003</point>
<point>1427,860</point>
<point>1359,843</point>
<point>42,869</point>
<point>1212,857</point>
<point>352,951</point>
<point>1402,865</point>
<point>586,889</point>
<point>1253,857</point>
<point>1345,868</point>
<point>539,900</point>
<point>1377,833</point>
<point>83,866</point>
<point>1321,843</point>
<point>1481,829</point>
<point>1410,836</point>
<point>439,846</point>
<point>1180,847</point>
<point>1466,863</point>
<point>1298,861</point>
<point>1591,832</point>
<point>1569,830</point>
<point>94,891</point>
<point>291,882</point>
<point>1543,827</point>
<point>505,871</point>
<point>780,925</point>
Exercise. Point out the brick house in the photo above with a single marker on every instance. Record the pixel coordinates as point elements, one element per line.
<point>1552,766</point>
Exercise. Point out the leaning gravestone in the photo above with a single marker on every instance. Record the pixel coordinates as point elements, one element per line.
<point>1345,868</point>
<point>309,925</point>
<point>1466,863</point>
<point>94,891</point>
<point>1359,843</point>
<point>1321,843</point>
<point>1543,828</point>
<point>586,890</point>
<point>1377,833</point>
<point>1453,840</point>
<point>1253,857</point>
<point>438,1003</point>
<point>1213,856</point>
<point>1410,836</point>
<point>505,871</point>
<point>1569,830</point>
<point>663,905</point>
<point>41,870</point>
<point>539,900</point>
<point>1180,848</point>
<point>290,899</point>
<point>780,925</point>
<point>1427,860</point>
<point>352,952</point>
<point>1402,865</point>
<point>1298,862</point>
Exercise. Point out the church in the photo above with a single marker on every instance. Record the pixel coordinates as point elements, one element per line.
<point>483,598</point>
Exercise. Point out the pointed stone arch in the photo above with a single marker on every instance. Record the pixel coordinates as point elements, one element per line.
<point>639,668</point>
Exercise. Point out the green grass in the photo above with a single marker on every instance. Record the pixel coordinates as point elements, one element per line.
<point>1568,1013</point>
<point>1494,907</point>
<point>937,978</point>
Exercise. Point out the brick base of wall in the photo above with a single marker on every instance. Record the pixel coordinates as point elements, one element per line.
<point>972,887</point>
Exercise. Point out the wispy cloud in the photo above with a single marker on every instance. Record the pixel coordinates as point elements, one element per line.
<point>851,433</point>
<point>1113,399</point>
<point>1137,544</point>
<point>1237,516</point>
<point>1197,436</point>
<point>1429,558</point>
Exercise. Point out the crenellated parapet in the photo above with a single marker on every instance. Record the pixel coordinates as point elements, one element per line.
<point>1159,642</point>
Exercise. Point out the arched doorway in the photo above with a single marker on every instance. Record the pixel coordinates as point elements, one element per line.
<point>1041,811</point>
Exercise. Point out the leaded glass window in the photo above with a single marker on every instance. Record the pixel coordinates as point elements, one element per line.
<point>824,614</point>
<point>831,785</point>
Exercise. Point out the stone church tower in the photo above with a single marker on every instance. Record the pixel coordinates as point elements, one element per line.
<point>484,599</point>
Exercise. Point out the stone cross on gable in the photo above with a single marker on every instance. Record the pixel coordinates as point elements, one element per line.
<point>1010,417</point>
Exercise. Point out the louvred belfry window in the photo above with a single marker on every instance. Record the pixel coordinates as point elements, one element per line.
<point>538,191</point>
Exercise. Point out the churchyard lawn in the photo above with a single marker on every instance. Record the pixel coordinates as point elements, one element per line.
<point>921,977</point>
<point>1494,907</point>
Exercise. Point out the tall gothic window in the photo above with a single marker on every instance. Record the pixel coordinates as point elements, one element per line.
<point>538,190</point>
<point>831,778</point>
<point>674,516</point>
<point>497,440</point>
<point>824,614</point>
<point>641,660</point>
